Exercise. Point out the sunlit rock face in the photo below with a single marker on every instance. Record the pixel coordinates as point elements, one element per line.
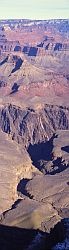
<point>14,163</point>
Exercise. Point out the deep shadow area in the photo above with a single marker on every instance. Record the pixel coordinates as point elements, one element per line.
<point>17,48</point>
<point>13,238</point>
<point>18,65</point>
<point>66,149</point>
<point>4,61</point>
<point>41,151</point>
<point>33,51</point>
<point>15,204</point>
<point>21,188</point>
<point>25,49</point>
<point>58,46</point>
<point>15,88</point>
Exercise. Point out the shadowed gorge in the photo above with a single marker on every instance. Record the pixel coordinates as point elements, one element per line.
<point>41,151</point>
<point>13,237</point>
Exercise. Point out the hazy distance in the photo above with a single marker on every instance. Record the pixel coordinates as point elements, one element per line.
<point>34,9</point>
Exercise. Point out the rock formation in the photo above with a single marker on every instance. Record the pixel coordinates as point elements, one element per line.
<point>34,128</point>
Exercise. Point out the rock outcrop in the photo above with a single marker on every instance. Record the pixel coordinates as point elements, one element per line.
<point>33,125</point>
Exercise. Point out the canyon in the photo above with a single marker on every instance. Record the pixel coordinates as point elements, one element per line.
<point>34,133</point>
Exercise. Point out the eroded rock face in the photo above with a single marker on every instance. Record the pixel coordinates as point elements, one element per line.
<point>45,198</point>
<point>34,124</point>
<point>31,125</point>
<point>14,163</point>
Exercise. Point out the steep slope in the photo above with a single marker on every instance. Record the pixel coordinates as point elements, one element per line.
<point>14,165</point>
<point>33,125</point>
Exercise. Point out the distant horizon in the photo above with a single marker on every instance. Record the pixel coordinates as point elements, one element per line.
<point>30,19</point>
